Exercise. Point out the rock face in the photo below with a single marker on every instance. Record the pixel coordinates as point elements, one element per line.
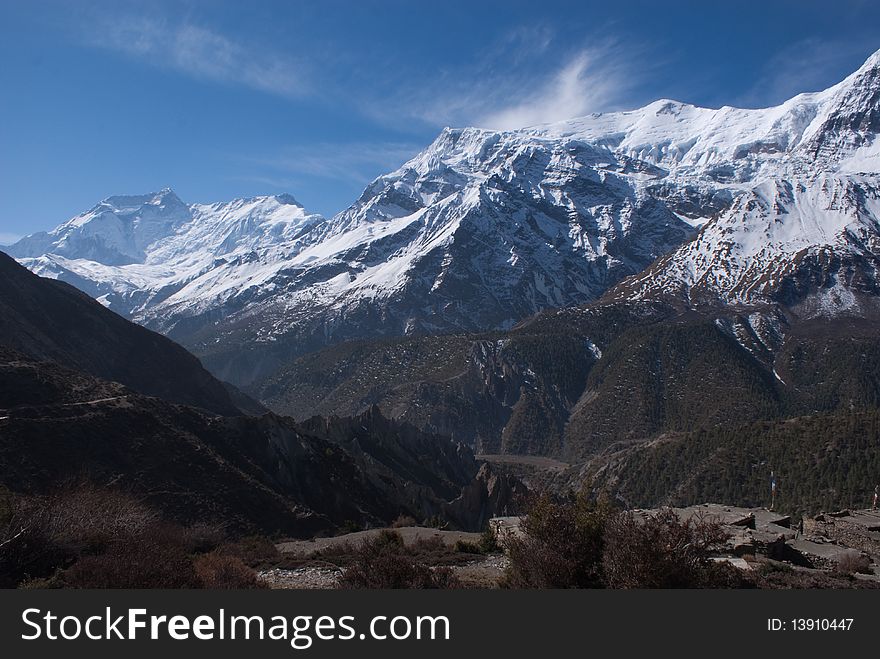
<point>556,385</point>
<point>489,495</point>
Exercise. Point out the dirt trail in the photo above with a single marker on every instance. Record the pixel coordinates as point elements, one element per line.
<point>96,401</point>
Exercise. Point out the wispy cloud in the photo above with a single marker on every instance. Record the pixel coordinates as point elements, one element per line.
<point>523,79</point>
<point>202,53</point>
<point>359,161</point>
<point>591,81</point>
<point>528,75</point>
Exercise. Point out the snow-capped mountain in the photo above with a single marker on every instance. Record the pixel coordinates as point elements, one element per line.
<point>484,228</point>
<point>805,232</point>
<point>135,253</point>
<point>115,232</point>
<point>811,243</point>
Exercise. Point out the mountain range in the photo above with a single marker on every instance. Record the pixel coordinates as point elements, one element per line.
<point>517,289</point>
<point>86,395</point>
<point>485,228</point>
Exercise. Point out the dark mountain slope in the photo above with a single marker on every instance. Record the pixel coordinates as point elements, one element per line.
<point>670,376</point>
<point>420,469</point>
<point>823,461</point>
<point>574,382</point>
<point>248,473</point>
<point>58,425</point>
<point>50,320</point>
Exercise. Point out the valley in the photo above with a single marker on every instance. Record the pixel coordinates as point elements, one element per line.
<point>662,307</point>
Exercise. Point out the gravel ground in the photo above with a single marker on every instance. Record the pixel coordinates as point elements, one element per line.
<point>302,578</point>
<point>484,572</point>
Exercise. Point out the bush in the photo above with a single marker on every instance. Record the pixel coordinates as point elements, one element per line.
<point>560,546</point>
<point>662,551</point>
<point>577,543</point>
<point>83,536</point>
<point>253,550</point>
<point>43,534</point>
<point>488,541</point>
<point>485,545</point>
<point>27,552</point>
<point>853,564</point>
<point>384,562</point>
<point>402,521</point>
<point>429,544</point>
<point>224,572</point>
<point>88,518</point>
<point>465,547</point>
<point>7,505</point>
<point>350,526</point>
<point>201,537</point>
<point>144,564</point>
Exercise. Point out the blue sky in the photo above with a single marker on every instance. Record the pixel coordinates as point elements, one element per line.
<point>226,99</point>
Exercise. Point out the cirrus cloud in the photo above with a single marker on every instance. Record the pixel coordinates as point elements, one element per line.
<point>202,53</point>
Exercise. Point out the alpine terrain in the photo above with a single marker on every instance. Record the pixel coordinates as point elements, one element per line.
<point>484,228</point>
<point>604,290</point>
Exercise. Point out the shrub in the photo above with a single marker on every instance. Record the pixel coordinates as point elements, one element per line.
<point>143,564</point>
<point>7,505</point>
<point>350,526</point>
<point>488,542</point>
<point>485,545</point>
<point>202,537</point>
<point>429,544</point>
<point>44,534</point>
<point>383,562</point>
<point>465,547</point>
<point>853,564</point>
<point>27,552</point>
<point>253,550</point>
<point>402,521</point>
<point>662,551</point>
<point>778,576</point>
<point>560,546</point>
<point>577,543</point>
<point>83,536</point>
<point>224,572</point>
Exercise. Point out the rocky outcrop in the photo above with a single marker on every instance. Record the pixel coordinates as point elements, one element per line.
<point>490,494</point>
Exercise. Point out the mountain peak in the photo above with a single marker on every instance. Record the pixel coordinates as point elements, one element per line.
<point>163,197</point>
<point>872,62</point>
<point>287,199</point>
